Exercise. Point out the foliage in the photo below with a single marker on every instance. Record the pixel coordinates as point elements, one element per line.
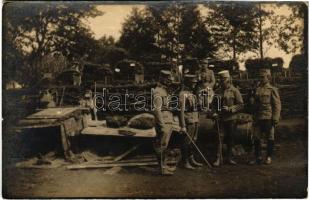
<point>166,31</point>
<point>241,27</point>
<point>137,34</point>
<point>299,64</point>
<point>232,26</point>
<point>289,30</point>
<point>106,51</point>
<point>38,29</point>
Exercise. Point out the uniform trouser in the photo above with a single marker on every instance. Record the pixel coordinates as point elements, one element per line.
<point>229,127</point>
<point>187,146</point>
<point>264,129</point>
<point>161,142</point>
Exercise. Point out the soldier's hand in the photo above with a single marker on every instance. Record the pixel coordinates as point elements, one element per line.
<point>225,108</point>
<point>183,130</point>
<point>275,122</point>
<point>215,116</point>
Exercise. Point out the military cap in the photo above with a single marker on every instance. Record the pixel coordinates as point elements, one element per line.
<point>206,60</point>
<point>88,93</point>
<point>264,72</point>
<point>166,74</point>
<point>224,74</point>
<point>191,78</point>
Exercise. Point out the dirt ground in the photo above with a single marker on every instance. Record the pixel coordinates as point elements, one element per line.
<point>286,177</point>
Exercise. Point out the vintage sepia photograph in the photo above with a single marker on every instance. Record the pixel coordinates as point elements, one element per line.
<point>145,99</point>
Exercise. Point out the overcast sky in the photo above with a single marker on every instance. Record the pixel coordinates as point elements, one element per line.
<point>114,15</point>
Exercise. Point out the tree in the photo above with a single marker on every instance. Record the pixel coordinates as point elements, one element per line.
<point>232,26</point>
<point>39,29</point>
<point>106,51</point>
<point>106,41</point>
<point>183,32</point>
<point>168,31</point>
<point>13,62</point>
<point>278,29</point>
<point>138,34</point>
<point>290,32</point>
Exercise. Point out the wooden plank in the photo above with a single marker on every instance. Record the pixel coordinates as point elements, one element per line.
<point>95,123</point>
<point>53,113</point>
<point>105,131</point>
<point>99,162</point>
<point>126,153</point>
<point>117,169</point>
<point>118,164</point>
<point>36,126</point>
<point>36,122</point>
<point>122,161</point>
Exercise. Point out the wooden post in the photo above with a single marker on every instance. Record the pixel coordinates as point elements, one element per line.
<point>95,102</point>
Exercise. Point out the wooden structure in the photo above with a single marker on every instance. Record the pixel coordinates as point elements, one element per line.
<point>70,120</point>
<point>96,73</point>
<point>128,72</point>
<point>74,121</point>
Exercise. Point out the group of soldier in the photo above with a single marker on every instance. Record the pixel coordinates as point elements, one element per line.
<point>266,113</point>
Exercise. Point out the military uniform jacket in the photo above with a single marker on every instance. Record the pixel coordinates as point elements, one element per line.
<point>188,108</point>
<point>208,78</point>
<point>268,104</point>
<point>232,98</point>
<point>161,110</point>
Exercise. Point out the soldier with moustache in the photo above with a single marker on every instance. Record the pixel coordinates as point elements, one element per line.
<point>163,119</point>
<point>231,104</point>
<point>267,110</point>
<point>189,120</point>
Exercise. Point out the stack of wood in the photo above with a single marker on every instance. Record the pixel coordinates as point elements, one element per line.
<point>117,162</point>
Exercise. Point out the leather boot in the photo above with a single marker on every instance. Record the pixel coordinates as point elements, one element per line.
<point>258,153</point>
<point>270,149</point>
<point>219,159</point>
<point>216,163</point>
<point>194,162</point>
<point>229,156</point>
<point>187,165</point>
<point>165,169</point>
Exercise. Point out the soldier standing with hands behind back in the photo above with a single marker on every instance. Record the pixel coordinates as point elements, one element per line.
<point>164,120</point>
<point>267,113</point>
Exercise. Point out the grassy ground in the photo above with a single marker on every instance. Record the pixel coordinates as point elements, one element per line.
<point>286,177</point>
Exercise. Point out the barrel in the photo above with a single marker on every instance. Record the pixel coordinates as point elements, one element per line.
<point>242,134</point>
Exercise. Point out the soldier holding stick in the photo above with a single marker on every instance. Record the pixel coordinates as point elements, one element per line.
<point>232,103</point>
<point>189,119</point>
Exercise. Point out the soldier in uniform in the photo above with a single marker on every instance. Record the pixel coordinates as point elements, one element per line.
<point>87,102</point>
<point>267,113</point>
<point>231,103</point>
<point>207,77</point>
<point>47,99</point>
<point>189,120</point>
<point>206,84</point>
<point>164,120</point>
